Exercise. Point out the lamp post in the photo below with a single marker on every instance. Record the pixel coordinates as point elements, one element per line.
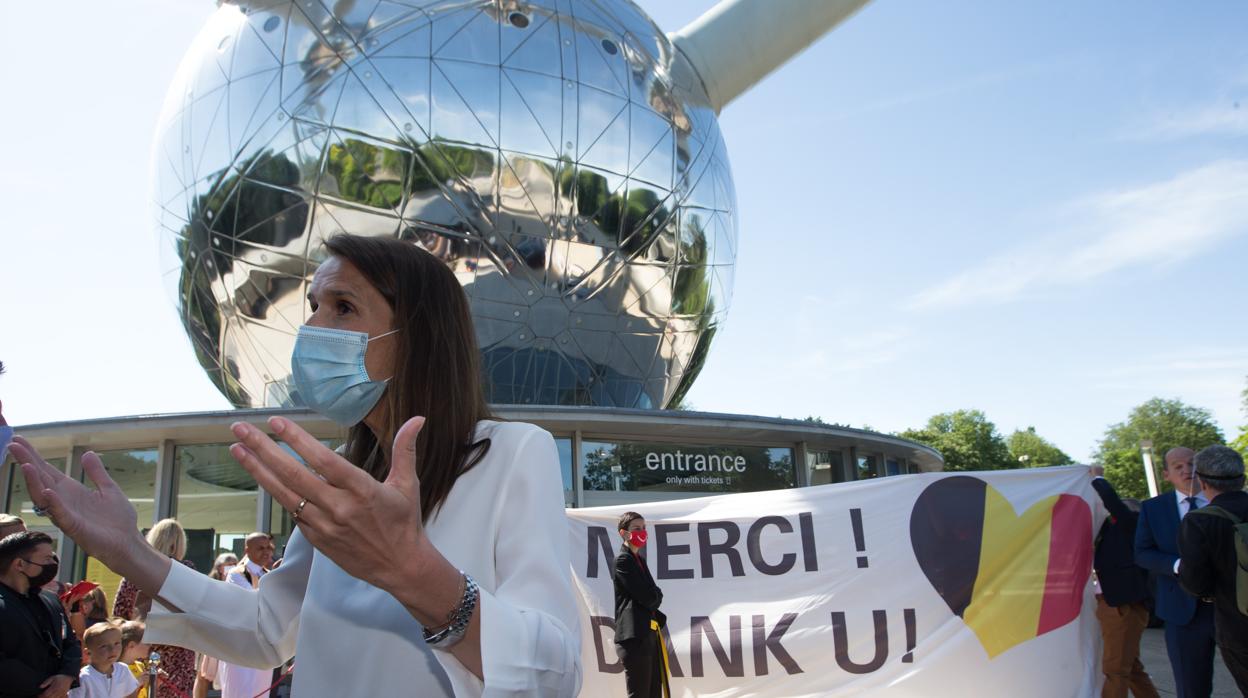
<point>1146,450</point>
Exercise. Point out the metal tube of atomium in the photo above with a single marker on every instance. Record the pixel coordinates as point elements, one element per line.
<point>1148,470</point>
<point>737,43</point>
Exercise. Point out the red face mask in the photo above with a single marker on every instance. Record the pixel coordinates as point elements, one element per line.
<point>637,539</point>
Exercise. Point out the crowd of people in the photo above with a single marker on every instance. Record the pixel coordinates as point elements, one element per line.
<point>1159,557</point>
<point>61,639</point>
<point>1176,556</point>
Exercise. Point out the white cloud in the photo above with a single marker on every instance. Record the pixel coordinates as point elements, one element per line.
<point>984,81</point>
<point>1224,112</point>
<point>1213,360</point>
<point>849,353</point>
<point>1229,119</point>
<point>1151,225</point>
<point>1208,377</point>
<point>1224,115</point>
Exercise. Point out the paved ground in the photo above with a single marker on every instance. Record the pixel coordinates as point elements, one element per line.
<point>1153,654</point>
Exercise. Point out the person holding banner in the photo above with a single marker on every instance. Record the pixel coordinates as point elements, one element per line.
<point>429,556</point>
<point>1122,602</point>
<point>638,620</point>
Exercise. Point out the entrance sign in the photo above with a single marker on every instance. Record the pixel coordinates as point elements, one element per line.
<point>937,584</point>
<point>662,467</point>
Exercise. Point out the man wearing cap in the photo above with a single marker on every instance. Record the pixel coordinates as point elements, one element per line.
<point>1189,621</point>
<point>1208,562</point>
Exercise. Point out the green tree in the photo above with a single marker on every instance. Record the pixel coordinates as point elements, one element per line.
<point>966,439</point>
<point>1030,450</point>
<point>1167,423</point>
<point>681,405</point>
<point>1241,442</point>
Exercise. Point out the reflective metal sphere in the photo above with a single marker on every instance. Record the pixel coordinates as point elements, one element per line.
<point>549,152</point>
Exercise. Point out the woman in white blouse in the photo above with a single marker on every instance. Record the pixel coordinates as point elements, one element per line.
<point>437,528</point>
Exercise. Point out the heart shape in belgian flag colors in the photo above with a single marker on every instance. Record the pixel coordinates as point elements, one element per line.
<point>1010,577</point>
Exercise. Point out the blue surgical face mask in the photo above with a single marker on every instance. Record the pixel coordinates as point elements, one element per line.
<point>327,368</point>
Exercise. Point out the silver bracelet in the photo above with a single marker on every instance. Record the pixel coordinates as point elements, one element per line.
<point>447,636</point>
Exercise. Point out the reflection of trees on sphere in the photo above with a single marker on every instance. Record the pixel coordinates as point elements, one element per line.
<point>580,193</point>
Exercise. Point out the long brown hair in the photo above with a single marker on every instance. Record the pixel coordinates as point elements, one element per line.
<point>437,371</point>
<point>99,611</point>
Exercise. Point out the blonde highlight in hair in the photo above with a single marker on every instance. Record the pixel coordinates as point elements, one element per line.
<point>102,628</point>
<point>168,538</point>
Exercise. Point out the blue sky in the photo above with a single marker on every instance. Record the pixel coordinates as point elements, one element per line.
<point>1034,210</point>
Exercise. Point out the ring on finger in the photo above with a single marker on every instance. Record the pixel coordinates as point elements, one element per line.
<point>40,511</point>
<point>294,515</point>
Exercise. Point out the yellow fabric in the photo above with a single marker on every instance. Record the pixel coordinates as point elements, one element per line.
<point>1013,569</point>
<point>139,667</point>
<point>667,688</point>
<point>108,580</point>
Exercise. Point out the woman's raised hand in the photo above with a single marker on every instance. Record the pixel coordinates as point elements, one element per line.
<point>370,529</point>
<point>101,521</point>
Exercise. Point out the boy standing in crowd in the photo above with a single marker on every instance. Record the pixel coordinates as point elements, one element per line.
<point>134,652</point>
<point>105,676</point>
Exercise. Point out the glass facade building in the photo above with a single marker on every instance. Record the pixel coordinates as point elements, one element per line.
<point>179,465</point>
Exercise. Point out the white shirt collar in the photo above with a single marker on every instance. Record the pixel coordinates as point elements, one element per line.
<point>1182,498</point>
<point>107,677</point>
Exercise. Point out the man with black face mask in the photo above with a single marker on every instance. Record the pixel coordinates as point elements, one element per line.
<point>39,656</point>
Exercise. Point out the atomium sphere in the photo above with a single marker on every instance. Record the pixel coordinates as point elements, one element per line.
<point>544,150</point>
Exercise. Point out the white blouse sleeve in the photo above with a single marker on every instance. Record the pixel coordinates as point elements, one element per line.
<point>254,628</point>
<point>530,632</point>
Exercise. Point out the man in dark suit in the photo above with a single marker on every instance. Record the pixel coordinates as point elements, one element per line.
<point>39,655</point>
<point>1121,604</point>
<point>1208,561</point>
<point>637,600</point>
<point>1189,621</point>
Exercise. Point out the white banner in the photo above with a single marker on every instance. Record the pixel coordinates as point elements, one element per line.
<point>939,584</point>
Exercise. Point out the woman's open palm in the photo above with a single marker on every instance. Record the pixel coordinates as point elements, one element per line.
<point>102,521</point>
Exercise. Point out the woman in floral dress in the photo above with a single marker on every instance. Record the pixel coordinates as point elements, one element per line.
<point>177,664</point>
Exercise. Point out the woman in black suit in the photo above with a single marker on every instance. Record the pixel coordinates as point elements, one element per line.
<point>637,614</point>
